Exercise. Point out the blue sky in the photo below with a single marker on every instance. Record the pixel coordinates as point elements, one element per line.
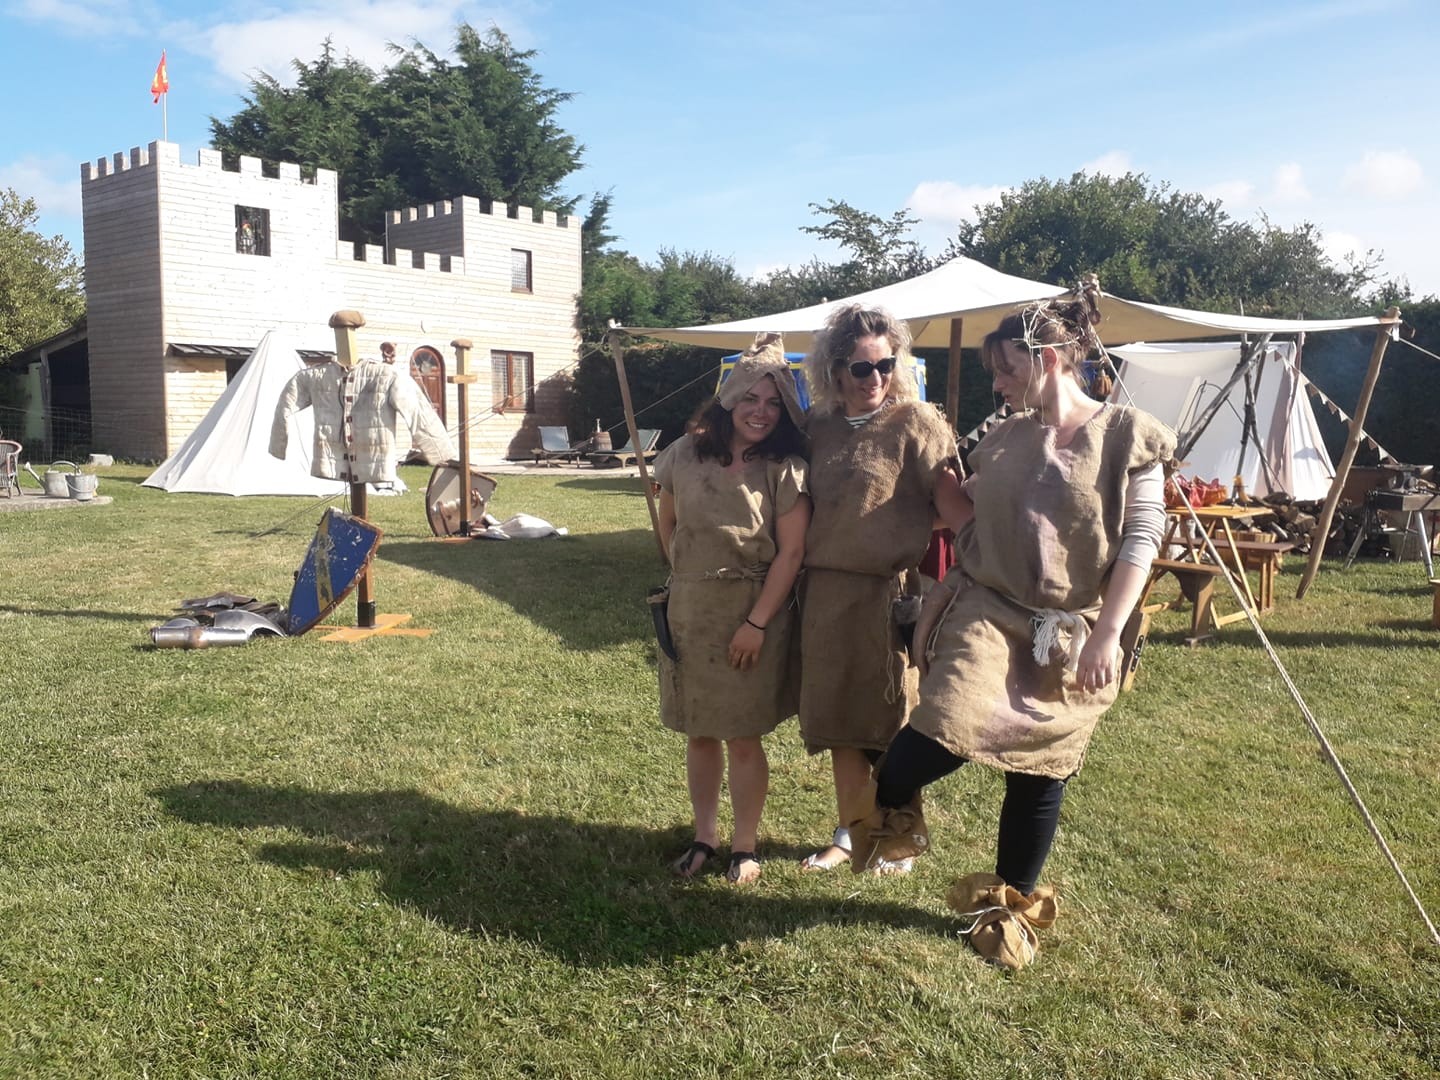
<point>716,125</point>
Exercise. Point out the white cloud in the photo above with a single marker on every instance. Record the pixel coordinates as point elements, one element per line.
<point>1230,192</point>
<point>1384,174</point>
<point>241,48</point>
<point>944,202</point>
<point>94,18</point>
<point>1288,184</point>
<point>1339,246</point>
<point>1115,163</point>
<point>53,182</point>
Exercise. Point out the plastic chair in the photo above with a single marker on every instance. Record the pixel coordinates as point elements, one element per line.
<point>555,446</point>
<point>10,466</point>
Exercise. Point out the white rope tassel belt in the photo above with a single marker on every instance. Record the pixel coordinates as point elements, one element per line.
<point>1056,629</point>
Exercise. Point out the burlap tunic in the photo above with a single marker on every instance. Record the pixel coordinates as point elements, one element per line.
<point>873,489</point>
<point>723,542</point>
<point>1047,528</point>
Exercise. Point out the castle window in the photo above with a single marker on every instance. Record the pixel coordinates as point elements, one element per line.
<point>520,278</point>
<point>252,230</point>
<point>512,381</point>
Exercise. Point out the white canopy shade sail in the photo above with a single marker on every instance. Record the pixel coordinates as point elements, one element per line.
<point>965,289</point>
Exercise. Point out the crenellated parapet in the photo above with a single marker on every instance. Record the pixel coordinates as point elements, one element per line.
<point>160,155</point>
<point>468,205</point>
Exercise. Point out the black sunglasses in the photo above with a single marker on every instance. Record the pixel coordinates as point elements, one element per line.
<point>861,369</point>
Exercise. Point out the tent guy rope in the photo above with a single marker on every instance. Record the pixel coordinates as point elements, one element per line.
<point>1314,725</point>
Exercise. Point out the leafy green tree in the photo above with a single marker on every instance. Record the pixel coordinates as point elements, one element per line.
<point>880,250</point>
<point>425,128</point>
<point>41,286</point>
<point>1149,242</point>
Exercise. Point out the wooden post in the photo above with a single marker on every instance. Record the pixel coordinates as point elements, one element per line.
<point>952,375</point>
<point>462,380</point>
<point>617,353</point>
<point>345,323</point>
<point>1388,322</point>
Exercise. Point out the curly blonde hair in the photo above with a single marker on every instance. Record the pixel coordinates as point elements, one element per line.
<point>833,345</point>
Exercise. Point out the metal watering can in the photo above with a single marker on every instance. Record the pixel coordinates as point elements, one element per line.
<point>53,480</point>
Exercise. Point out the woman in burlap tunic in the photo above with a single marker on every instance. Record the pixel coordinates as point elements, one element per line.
<point>1023,633</point>
<point>881,463</point>
<point>733,515</point>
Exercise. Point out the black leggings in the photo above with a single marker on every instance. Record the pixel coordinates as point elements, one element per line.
<point>1028,817</point>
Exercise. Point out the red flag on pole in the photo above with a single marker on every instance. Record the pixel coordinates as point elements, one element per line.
<point>160,84</point>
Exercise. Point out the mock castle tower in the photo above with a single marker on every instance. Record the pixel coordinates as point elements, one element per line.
<point>181,259</point>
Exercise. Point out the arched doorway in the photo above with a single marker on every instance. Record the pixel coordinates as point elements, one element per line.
<point>427,367</point>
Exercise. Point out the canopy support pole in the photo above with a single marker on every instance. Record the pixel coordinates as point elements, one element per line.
<point>952,375</point>
<point>1388,322</point>
<point>617,353</point>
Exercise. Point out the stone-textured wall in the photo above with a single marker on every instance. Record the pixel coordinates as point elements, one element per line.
<point>162,268</point>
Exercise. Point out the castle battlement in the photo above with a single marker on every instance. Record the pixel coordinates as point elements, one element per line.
<point>469,204</point>
<point>167,155</point>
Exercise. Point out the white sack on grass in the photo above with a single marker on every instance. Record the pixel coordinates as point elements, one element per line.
<point>522,527</point>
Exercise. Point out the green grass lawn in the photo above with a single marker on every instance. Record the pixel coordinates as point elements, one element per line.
<point>446,857</point>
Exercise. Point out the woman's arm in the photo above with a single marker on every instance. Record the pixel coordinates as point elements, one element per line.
<point>790,530</point>
<point>667,521</point>
<point>1144,525</point>
<point>951,503</point>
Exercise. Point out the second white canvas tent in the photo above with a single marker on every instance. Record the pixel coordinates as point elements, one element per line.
<point>1177,383</point>
<point>228,453</point>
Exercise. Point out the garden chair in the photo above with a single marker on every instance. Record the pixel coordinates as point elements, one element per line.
<point>555,446</point>
<point>627,455</point>
<point>10,466</point>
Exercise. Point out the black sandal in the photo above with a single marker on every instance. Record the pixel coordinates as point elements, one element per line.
<point>685,866</point>
<point>737,859</point>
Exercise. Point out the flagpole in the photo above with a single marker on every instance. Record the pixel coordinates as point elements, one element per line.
<point>165,116</point>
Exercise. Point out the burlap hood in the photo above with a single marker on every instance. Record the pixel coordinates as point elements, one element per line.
<point>765,357</point>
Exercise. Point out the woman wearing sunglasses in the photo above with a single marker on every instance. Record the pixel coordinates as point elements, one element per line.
<point>882,465</point>
<point>1022,637</point>
<point>733,513</point>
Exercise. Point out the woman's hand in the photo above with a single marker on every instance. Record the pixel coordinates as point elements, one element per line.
<point>745,647</point>
<point>1099,664</point>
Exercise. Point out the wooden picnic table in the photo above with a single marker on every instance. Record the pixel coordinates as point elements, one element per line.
<point>1198,571</point>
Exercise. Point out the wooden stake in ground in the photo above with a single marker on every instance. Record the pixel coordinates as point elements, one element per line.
<point>617,353</point>
<point>952,376</point>
<point>1388,322</point>
<point>462,380</point>
<point>345,323</point>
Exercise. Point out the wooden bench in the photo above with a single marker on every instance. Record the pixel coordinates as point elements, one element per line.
<point>1197,585</point>
<point>1264,556</point>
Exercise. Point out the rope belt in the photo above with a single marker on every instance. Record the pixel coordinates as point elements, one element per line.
<point>753,572</point>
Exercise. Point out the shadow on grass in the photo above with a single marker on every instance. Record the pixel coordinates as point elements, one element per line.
<point>592,894</point>
<point>588,590</point>
<point>605,485</point>
<point>84,613</point>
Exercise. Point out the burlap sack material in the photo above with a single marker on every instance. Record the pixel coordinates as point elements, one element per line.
<point>765,357</point>
<point>1001,921</point>
<point>888,834</point>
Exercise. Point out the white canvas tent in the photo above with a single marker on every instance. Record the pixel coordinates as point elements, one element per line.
<point>1177,383</point>
<point>965,289</point>
<point>228,453</point>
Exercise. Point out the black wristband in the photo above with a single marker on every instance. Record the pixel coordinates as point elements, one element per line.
<point>754,624</point>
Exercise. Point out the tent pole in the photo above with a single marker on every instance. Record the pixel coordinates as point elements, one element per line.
<point>1388,322</point>
<point>952,375</point>
<point>462,380</point>
<point>345,323</point>
<point>1191,437</point>
<point>617,353</point>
